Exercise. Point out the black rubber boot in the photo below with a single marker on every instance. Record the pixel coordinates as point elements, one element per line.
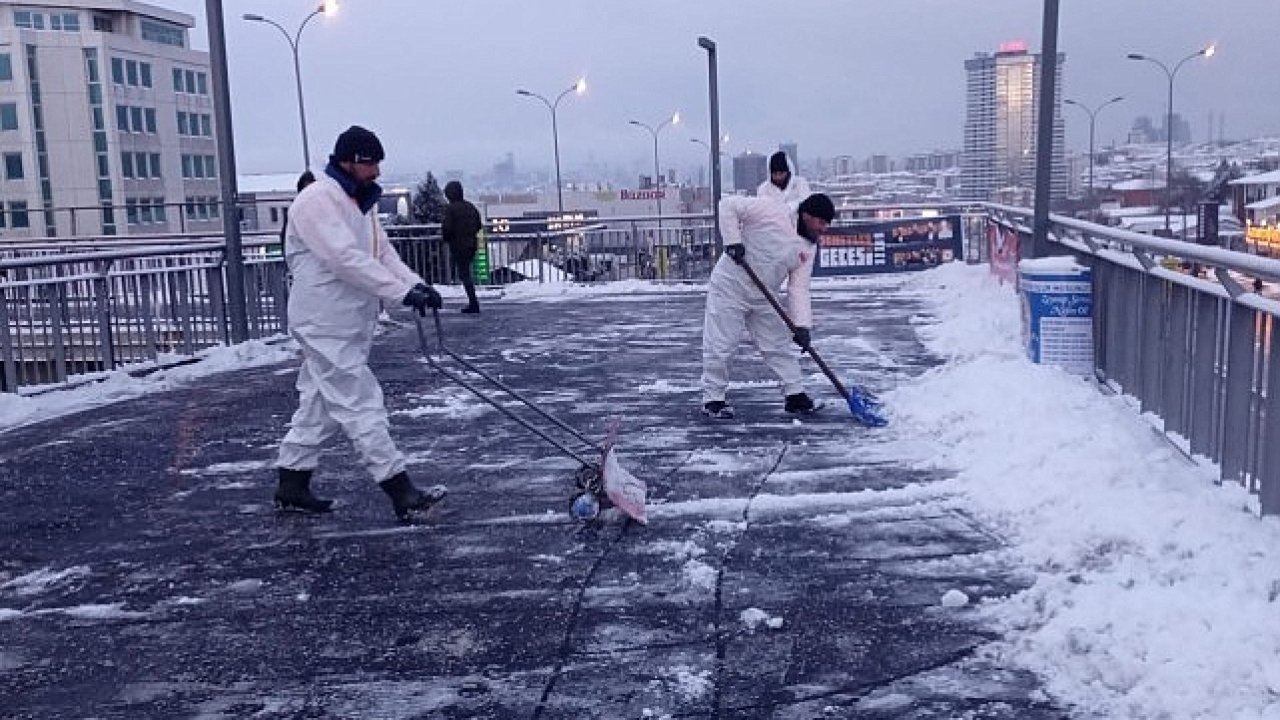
<point>800,404</point>
<point>406,497</point>
<point>717,409</point>
<point>294,493</point>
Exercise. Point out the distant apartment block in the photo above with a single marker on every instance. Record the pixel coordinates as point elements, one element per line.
<point>749,170</point>
<point>1001,112</point>
<point>106,121</point>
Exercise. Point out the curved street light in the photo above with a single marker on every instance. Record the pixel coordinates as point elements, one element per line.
<point>710,150</point>
<point>657,172</point>
<point>1093,117</point>
<point>579,88</point>
<point>328,7</point>
<point>1207,51</point>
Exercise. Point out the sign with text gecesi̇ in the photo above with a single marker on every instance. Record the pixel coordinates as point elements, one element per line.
<point>889,246</point>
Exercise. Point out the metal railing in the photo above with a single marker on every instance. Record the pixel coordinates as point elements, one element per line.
<point>69,314</point>
<point>1196,352</point>
<point>78,306</point>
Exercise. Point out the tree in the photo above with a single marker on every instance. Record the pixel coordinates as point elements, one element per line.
<point>428,202</point>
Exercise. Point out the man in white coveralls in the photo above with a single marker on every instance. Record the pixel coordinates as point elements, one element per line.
<point>778,245</point>
<point>343,266</point>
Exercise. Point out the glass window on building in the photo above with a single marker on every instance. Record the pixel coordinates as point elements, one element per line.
<point>104,170</point>
<point>102,23</point>
<point>160,210</point>
<point>117,71</point>
<point>122,118</point>
<point>66,22</point>
<point>18,214</point>
<point>163,33</point>
<point>144,74</point>
<point>135,115</point>
<point>202,84</point>
<point>13,166</point>
<point>28,20</point>
<point>131,71</point>
<point>206,126</point>
<point>155,165</point>
<point>151,119</point>
<point>177,80</point>
<point>182,123</point>
<point>186,166</point>
<point>190,77</point>
<point>8,116</point>
<point>126,164</point>
<point>6,67</point>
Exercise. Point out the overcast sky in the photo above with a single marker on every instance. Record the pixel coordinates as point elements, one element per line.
<point>437,81</point>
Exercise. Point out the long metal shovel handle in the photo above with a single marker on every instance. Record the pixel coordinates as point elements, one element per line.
<point>822,365</point>
<point>863,405</point>
<point>422,337</point>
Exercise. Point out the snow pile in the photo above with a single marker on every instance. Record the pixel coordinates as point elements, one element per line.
<point>1154,586</point>
<point>106,388</point>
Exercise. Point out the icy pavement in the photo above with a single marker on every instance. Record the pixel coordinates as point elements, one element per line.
<point>790,570</point>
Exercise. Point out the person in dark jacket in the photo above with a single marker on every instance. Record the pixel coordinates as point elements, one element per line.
<point>306,178</point>
<point>460,226</point>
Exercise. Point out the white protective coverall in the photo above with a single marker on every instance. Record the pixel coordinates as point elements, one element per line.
<point>797,190</point>
<point>342,265</point>
<point>775,251</point>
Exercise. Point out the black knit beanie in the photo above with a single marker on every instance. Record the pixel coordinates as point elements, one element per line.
<point>819,206</point>
<point>359,145</point>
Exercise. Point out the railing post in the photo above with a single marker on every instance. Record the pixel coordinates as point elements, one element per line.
<point>102,310</point>
<point>9,380</point>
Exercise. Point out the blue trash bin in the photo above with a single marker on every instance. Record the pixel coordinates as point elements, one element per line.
<point>1057,313</point>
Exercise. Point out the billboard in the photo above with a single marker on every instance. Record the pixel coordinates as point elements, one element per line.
<point>889,246</point>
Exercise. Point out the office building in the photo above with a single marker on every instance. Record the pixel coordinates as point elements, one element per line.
<point>1001,114</point>
<point>106,121</point>
<point>749,170</point>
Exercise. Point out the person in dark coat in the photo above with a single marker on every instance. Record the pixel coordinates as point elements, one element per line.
<point>306,178</point>
<point>460,226</point>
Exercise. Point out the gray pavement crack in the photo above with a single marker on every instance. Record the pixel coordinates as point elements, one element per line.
<point>721,634</point>
<point>565,649</point>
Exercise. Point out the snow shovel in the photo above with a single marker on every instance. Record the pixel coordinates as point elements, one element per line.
<point>598,481</point>
<point>864,406</point>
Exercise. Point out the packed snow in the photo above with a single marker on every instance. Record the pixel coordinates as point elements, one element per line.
<point>1156,590</point>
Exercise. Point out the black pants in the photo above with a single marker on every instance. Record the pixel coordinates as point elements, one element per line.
<point>462,258</point>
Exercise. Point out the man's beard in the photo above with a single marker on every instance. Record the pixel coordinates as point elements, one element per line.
<point>803,231</point>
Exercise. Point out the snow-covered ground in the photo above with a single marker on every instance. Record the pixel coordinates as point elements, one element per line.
<point>1155,592</point>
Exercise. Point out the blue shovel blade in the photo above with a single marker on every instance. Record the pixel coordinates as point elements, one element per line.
<point>866,408</point>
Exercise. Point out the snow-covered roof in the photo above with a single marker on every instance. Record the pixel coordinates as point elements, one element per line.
<point>1267,204</point>
<point>1266,178</point>
<point>1138,184</point>
<point>268,182</point>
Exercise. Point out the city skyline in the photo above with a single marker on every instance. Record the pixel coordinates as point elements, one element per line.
<point>785,74</point>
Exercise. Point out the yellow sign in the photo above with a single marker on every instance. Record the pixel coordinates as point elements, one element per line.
<point>1264,235</point>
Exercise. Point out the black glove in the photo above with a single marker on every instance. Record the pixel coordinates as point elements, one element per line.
<point>736,252</point>
<point>423,296</point>
<point>802,338</point>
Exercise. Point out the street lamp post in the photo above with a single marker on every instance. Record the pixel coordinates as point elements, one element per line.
<point>1206,51</point>
<point>713,89</point>
<point>325,8</point>
<point>713,153</point>
<point>657,171</point>
<point>1093,117</point>
<point>579,88</point>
